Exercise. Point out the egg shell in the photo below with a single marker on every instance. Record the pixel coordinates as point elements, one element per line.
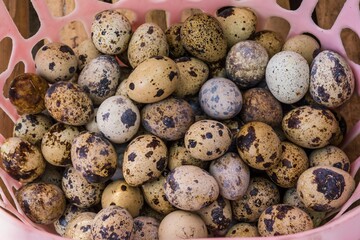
<point>85,52</point>
<point>32,127</point>
<point>243,230</point>
<point>118,119</point>
<point>56,144</point>
<point>182,224</point>
<point>231,174</point>
<point>160,81</point>
<point>111,32</point>
<point>270,40</point>
<point>68,103</point>
<point>56,62</point>
<point>168,119</point>
<point>112,222</point>
<point>51,175</point>
<point>325,188</point>
<point>330,156</point>
<point>237,23</point>
<point>21,159</point>
<point>207,139</point>
<point>293,162</point>
<point>173,38</point>
<point>193,73</point>
<point>220,98</point>
<point>92,125</point>
<point>332,81</point>
<point>310,127</point>
<point>190,188</point>
<point>283,219</point>
<point>148,40</point>
<point>119,193</point>
<point>100,78</point>
<point>80,192</point>
<point>42,203</point>
<point>145,228</point>
<point>258,145</point>
<point>94,157</point>
<point>260,194</point>
<point>203,37</point>
<point>144,159</point>
<point>303,44</point>
<point>246,62</point>
<point>79,228</point>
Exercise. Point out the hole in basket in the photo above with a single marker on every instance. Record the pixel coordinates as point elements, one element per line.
<point>5,49</point>
<point>18,69</point>
<point>60,8</point>
<point>223,10</point>
<point>284,4</point>
<point>326,12</point>
<point>73,33</point>
<point>278,24</point>
<point>351,42</point>
<point>130,15</point>
<point>36,47</point>
<point>6,192</point>
<point>189,12</point>
<point>158,17</point>
<point>109,1</point>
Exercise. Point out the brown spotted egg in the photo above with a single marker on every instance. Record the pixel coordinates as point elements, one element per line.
<point>94,157</point>
<point>86,51</point>
<point>303,44</point>
<point>145,228</point>
<point>21,159</point>
<point>243,230</point>
<point>332,81</point>
<point>176,49</point>
<point>79,228</point>
<point>325,188</point>
<point>56,62</point>
<point>330,156</point>
<point>270,40</point>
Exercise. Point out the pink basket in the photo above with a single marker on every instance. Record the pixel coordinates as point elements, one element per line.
<point>341,227</point>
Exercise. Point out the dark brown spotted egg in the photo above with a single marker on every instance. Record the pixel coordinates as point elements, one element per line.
<point>148,40</point>
<point>159,82</point>
<point>176,49</point>
<point>207,139</point>
<point>118,118</point>
<point>112,222</point>
<point>86,51</point>
<point>100,78</point>
<point>243,230</point>
<point>56,62</point>
<point>144,159</point>
<point>111,32</point>
<point>94,157</point>
<point>168,119</point>
<point>42,203</point>
<point>68,103</point>
<point>21,159</point>
<point>330,156</point>
<point>283,219</point>
<point>145,228</point>
<point>325,188</point>
<point>80,192</point>
<point>260,194</point>
<point>270,40</point>
<point>310,126</point>
<point>203,37</point>
<point>79,227</point>
<point>190,188</point>
<point>332,81</point>
<point>303,44</point>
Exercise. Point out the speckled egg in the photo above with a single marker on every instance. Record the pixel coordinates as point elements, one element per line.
<point>303,44</point>
<point>260,194</point>
<point>182,224</point>
<point>220,98</point>
<point>111,32</point>
<point>217,69</point>
<point>42,203</point>
<point>56,62</point>
<point>85,52</point>
<point>203,37</point>
<point>144,159</point>
<point>207,139</point>
<point>283,219</point>
<point>246,63</point>
<point>80,192</point>
<point>270,40</point>
<point>159,82</point>
<point>332,81</point>
<point>112,222</point>
<point>330,156</point>
<point>231,174</point>
<point>147,211</point>
<point>145,228</point>
<point>293,162</point>
<point>51,175</point>
<point>27,92</point>
<point>79,228</point>
<point>121,194</point>
<point>168,119</point>
<point>94,157</point>
<point>148,40</point>
<point>287,76</point>
<point>243,230</point>
<point>173,38</point>
<point>237,23</point>
<point>193,73</point>
<point>68,103</point>
<point>190,188</point>
<point>325,188</point>
<point>56,144</point>
<point>258,145</point>
<point>92,125</point>
<point>21,159</point>
<point>100,78</point>
<point>260,105</point>
<point>310,127</point>
<point>32,127</point>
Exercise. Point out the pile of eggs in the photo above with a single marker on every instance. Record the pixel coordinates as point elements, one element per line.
<point>207,129</point>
